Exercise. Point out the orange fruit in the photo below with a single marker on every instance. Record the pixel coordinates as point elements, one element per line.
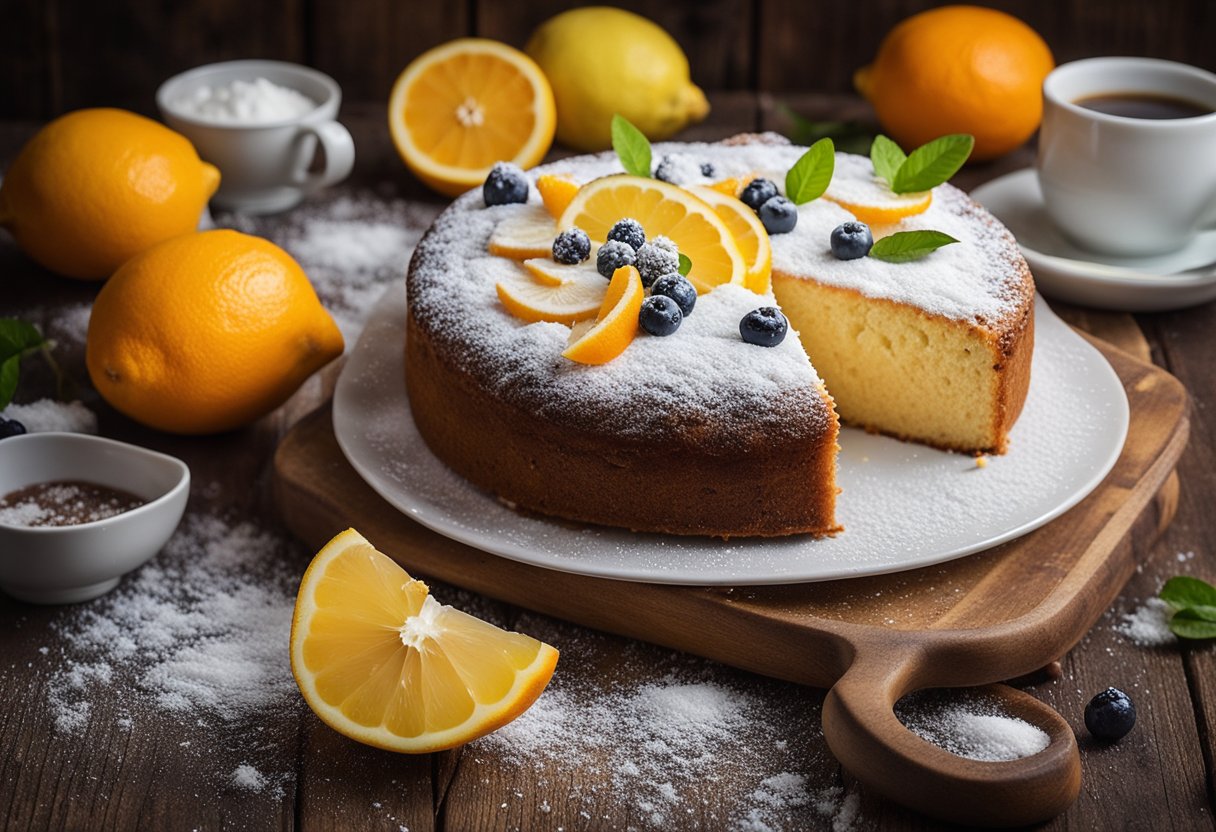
<point>95,187</point>
<point>749,234</point>
<point>207,332</point>
<point>661,208</point>
<point>562,294</point>
<point>526,232</point>
<point>556,191</point>
<point>461,107</point>
<point>959,69</point>
<point>617,322</point>
<point>380,661</point>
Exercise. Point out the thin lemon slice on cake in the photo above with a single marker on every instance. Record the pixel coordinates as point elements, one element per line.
<point>564,297</point>
<point>873,202</point>
<point>528,231</point>
<point>379,660</point>
<point>617,322</point>
<point>749,234</point>
<point>552,273</point>
<point>461,107</point>
<point>664,209</point>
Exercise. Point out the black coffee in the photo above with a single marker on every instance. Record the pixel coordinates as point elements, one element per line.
<point>1143,105</point>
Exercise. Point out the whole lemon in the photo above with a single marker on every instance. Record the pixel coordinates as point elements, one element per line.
<point>95,187</point>
<point>207,332</point>
<point>601,61</point>
<point>959,69</point>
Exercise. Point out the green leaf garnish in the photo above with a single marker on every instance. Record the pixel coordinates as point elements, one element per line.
<point>812,173</point>
<point>903,246</point>
<point>17,340</point>
<point>632,148</point>
<point>1187,624</point>
<point>887,157</point>
<point>1183,591</point>
<point>685,264</point>
<point>932,164</point>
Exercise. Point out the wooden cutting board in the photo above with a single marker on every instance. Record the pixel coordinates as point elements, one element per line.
<point>974,621</point>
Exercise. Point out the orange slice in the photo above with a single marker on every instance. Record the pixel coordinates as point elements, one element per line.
<point>748,232</point>
<point>616,324</point>
<point>664,209</point>
<point>556,190</point>
<point>460,107</point>
<point>563,297</point>
<point>732,186</point>
<point>873,202</point>
<point>380,661</point>
<point>526,232</point>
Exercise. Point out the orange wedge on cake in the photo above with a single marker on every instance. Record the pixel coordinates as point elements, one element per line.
<point>615,325</point>
<point>661,209</point>
<point>380,661</point>
<point>461,107</point>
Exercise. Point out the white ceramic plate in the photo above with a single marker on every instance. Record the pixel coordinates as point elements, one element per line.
<point>1064,271</point>
<point>902,505</point>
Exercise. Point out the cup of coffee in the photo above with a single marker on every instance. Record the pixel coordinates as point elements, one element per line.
<point>1127,153</point>
<point>269,126</point>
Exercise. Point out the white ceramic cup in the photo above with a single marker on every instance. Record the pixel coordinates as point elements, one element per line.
<point>264,167</point>
<point>1127,186</point>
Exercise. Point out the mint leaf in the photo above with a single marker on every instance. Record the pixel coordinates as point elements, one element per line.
<point>1182,592</point>
<point>812,173</point>
<point>17,337</point>
<point>903,246</point>
<point>1186,624</point>
<point>887,157</point>
<point>685,264</point>
<point>632,148</point>
<point>932,164</point>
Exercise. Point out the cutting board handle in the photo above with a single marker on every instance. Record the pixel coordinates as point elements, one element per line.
<point>861,729</point>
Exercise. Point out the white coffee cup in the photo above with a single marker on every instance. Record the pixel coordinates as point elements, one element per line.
<point>1120,185</point>
<point>264,166</point>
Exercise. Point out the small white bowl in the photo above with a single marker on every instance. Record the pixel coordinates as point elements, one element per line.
<point>66,564</point>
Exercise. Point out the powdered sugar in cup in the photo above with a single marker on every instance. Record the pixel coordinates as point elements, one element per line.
<point>262,124</point>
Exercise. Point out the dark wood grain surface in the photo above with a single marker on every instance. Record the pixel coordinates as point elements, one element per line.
<point>1160,777</point>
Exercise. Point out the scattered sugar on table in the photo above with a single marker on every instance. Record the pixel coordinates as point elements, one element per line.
<point>1149,624</point>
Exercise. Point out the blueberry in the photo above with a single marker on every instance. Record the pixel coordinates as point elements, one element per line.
<point>676,287</point>
<point>613,255</point>
<point>708,170</point>
<point>628,231</point>
<point>764,327</point>
<point>657,258</point>
<point>505,185</point>
<point>666,170</point>
<point>1110,714</point>
<point>10,427</point>
<point>660,315</point>
<point>758,192</point>
<point>779,215</point>
<point>572,246</point>
<point>851,240</point>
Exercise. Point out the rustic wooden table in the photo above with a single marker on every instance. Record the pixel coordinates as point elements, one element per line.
<point>118,766</point>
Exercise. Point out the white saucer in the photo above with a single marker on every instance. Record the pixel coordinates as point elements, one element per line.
<point>1065,271</point>
<point>903,505</point>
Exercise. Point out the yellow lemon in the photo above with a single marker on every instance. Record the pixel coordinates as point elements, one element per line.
<point>602,61</point>
<point>379,660</point>
<point>207,332</point>
<point>95,187</point>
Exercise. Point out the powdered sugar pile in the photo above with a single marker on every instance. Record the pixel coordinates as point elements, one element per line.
<point>972,728</point>
<point>1149,624</point>
<point>260,101</point>
<point>50,415</point>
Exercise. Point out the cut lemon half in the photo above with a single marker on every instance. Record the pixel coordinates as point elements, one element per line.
<point>617,322</point>
<point>749,234</point>
<point>664,209</point>
<point>874,203</point>
<point>556,191</point>
<point>460,107</point>
<point>528,231</point>
<point>379,660</point>
<point>575,296</point>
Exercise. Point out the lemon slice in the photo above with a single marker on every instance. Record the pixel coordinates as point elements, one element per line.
<point>617,322</point>
<point>748,232</point>
<point>551,273</point>
<point>380,661</point>
<point>873,202</point>
<point>461,107</point>
<point>526,232</point>
<point>665,209</point>
<point>575,296</point>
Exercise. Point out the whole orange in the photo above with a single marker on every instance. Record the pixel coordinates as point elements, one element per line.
<point>959,69</point>
<point>207,332</point>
